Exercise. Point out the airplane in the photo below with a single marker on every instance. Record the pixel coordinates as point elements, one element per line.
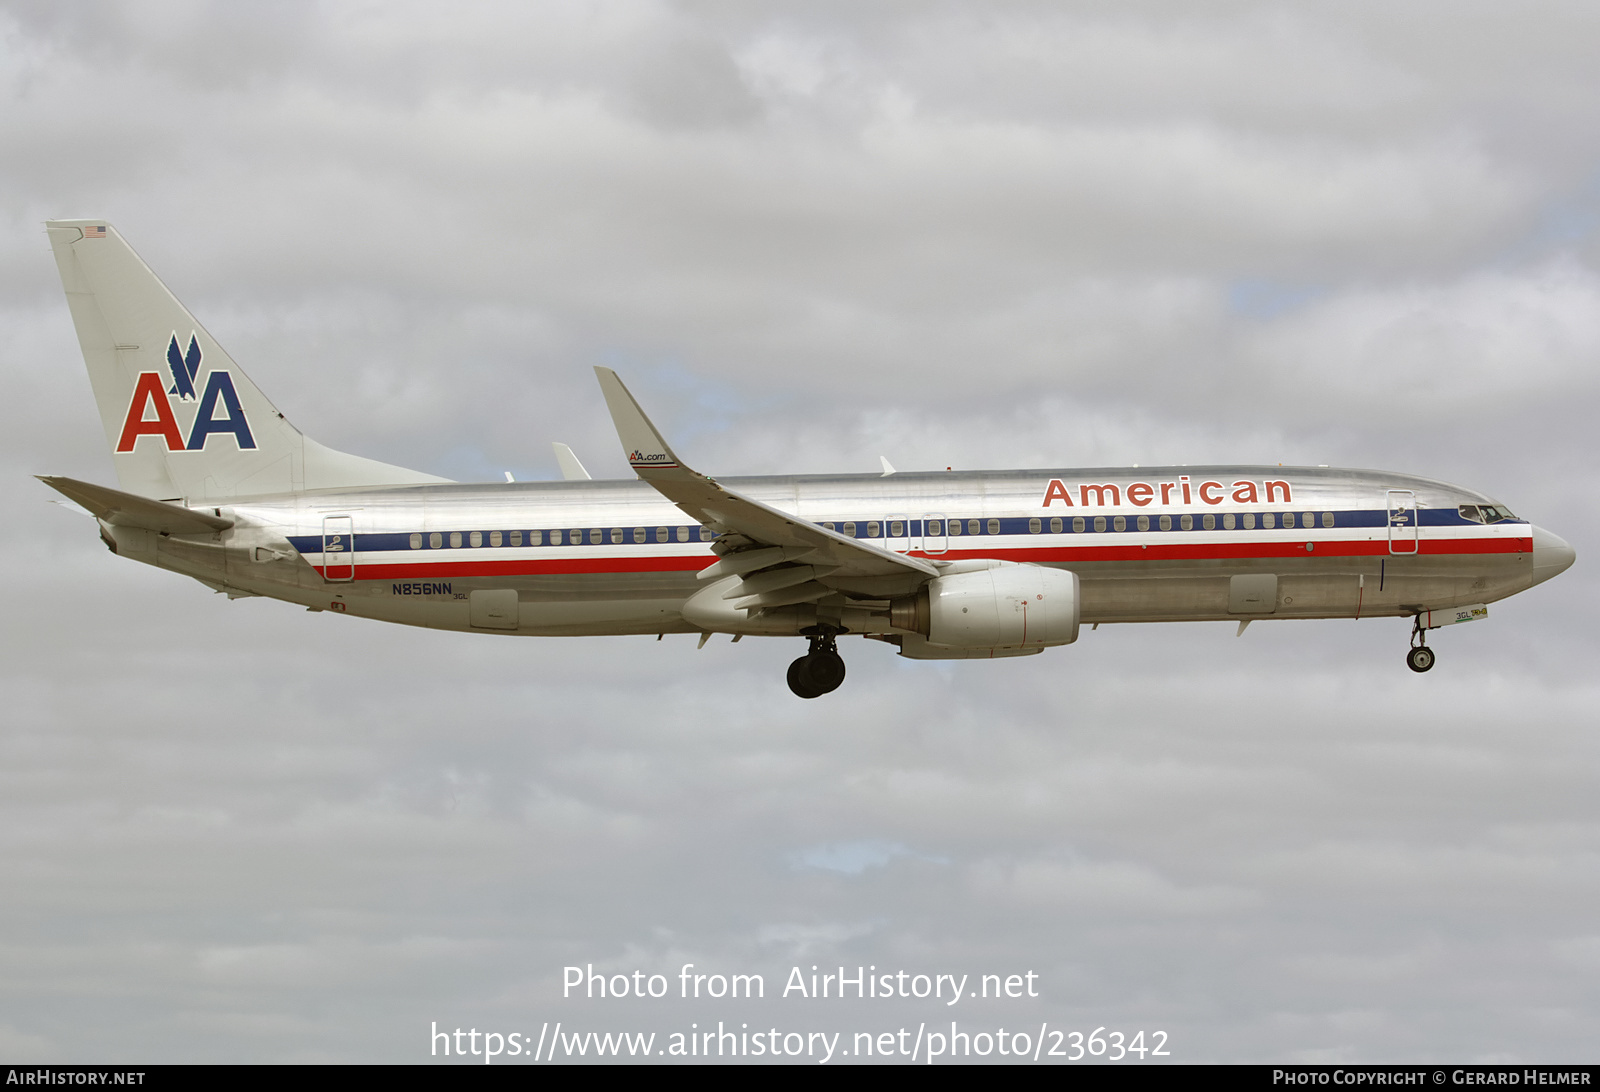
<point>216,484</point>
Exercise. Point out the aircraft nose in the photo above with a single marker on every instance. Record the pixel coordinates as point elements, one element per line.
<point>1551,555</point>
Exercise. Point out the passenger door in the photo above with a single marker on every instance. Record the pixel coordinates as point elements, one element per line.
<point>1403,520</point>
<point>338,549</point>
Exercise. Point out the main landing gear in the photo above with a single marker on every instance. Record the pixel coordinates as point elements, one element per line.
<point>819,671</point>
<point>1421,657</point>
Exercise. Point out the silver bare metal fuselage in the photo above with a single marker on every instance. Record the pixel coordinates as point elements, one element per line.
<point>613,557</point>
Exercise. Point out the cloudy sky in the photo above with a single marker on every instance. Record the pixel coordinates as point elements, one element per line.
<point>982,235</point>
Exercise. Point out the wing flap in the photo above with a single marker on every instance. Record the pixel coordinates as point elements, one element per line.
<point>773,579</point>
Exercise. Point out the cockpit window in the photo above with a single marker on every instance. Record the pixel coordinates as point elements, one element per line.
<point>1485,513</point>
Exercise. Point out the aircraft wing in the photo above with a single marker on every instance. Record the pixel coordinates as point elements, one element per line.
<point>745,526</point>
<point>129,510</point>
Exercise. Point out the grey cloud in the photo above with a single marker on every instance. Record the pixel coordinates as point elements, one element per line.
<point>809,234</point>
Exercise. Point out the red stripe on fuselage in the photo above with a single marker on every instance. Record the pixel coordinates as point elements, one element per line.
<point>1245,551</point>
<point>1240,551</point>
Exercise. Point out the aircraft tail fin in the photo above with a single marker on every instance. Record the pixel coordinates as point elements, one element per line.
<point>182,419</point>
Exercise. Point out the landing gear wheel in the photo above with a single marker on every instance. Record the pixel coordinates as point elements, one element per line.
<point>825,671</point>
<point>800,681</point>
<point>819,671</point>
<point>1421,657</point>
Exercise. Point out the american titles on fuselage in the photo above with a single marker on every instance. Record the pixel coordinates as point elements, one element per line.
<point>1141,494</point>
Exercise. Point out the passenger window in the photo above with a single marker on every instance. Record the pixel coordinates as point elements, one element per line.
<point>555,538</point>
<point>972,527</point>
<point>827,526</point>
<point>475,539</point>
<point>683,534</point>
<point>1078,525</point>
<point>1249,521</point>
<point>516,538</point>
<point>1034,526</point>
<point>1120,523</point>
<point>1144,523</point>
<point>706,534</point>
<point>1306,519</point>
<point>435,540</point>
<point>1166,523</point>
<point>1327,519</point>
<point>849,530</point>
<point>955,527</point>
<point>1055,525</point>
<point>1227,521</point>
<point>872,529</point>
<point>1266,520</point>
<point>994,527</point>
<point>663,534</point>
<point>416,540</point>
<point>638,534</point>
<point>495,538</point>
<point>1186,522</point>
<point>1208,521</point>
<point>455,540</point>
<point>1099,523</point>
<point>936,527</point>
<point>897,529</point>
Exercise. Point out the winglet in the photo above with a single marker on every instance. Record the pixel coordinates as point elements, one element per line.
<point>571,469</point>
<point>647,452</point>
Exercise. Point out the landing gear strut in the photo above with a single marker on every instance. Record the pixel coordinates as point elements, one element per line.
<point>819,671</point>
<point>1421,657</point>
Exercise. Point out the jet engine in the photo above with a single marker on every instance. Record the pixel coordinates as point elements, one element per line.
<point>1008,605</point>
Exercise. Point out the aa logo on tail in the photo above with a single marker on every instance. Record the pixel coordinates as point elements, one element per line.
<point>184,368</point>
<point>150,409</point>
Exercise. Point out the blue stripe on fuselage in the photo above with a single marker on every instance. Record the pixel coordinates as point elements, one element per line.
<point>401,541</point>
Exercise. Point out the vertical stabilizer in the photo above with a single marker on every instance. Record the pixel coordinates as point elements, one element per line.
<point>183,421</point>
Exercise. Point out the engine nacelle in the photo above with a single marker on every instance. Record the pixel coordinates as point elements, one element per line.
<point>1008,605</point>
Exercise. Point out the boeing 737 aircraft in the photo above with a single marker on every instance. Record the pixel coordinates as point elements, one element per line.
<point>218,485</point>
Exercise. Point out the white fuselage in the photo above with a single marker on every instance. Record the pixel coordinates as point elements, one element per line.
<point>614,557</point>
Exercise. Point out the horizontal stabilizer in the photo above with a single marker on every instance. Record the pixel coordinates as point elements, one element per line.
<point>129,510</point>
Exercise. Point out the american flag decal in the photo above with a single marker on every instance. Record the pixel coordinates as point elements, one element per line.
<point>94,233</point>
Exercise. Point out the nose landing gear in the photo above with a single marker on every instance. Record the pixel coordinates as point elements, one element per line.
<point>819,671</point>
<point>1421,657</point>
